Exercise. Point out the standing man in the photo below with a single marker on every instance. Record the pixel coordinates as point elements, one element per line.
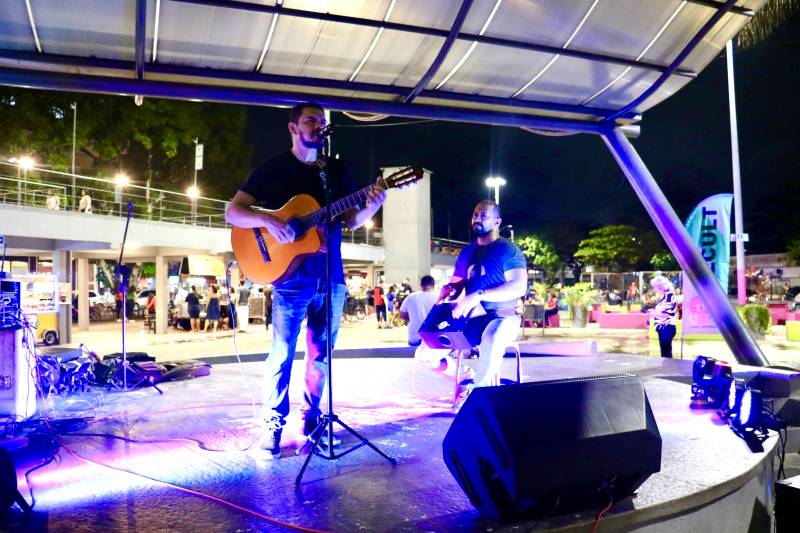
<point>380,306</point>
<point>416,307</point>
<point>493,273</point>
<point>85,205</point>
<point>52,201</point>
<point>271,184</point>
<point>243,307</point>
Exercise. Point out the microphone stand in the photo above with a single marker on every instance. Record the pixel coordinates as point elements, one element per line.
<point>123,275</point>
<point>328,418</point>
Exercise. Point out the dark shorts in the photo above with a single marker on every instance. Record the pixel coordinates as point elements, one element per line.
<point>194,311</point>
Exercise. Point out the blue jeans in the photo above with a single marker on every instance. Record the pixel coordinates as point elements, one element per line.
<point>292,301</point>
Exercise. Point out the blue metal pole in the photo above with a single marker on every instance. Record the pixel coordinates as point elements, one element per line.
<point>461,16</point>
<point>739,339</point>
<point>240,95</point>
<point>141,20</point>
<point>77,63</point>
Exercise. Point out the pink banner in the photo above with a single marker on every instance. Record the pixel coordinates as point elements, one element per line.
<point>696,318</point>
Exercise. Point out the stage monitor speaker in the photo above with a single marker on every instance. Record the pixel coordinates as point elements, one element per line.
<point>553,446</point>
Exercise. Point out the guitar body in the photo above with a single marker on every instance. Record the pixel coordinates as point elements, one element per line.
<point>265,260</point>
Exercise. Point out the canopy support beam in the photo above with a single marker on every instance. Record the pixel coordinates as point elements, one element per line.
<point>739,339</point>
<point>443,51</point>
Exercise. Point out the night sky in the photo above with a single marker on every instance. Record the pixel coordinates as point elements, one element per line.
<point>562,187</point>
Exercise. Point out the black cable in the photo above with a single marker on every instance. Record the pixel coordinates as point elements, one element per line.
<point>31,470</point>
<point>546,515</point>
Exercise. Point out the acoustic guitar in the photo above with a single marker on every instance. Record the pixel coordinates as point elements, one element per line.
<point>265,260</point>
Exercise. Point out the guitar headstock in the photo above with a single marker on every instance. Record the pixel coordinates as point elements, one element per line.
<point>403,177</point>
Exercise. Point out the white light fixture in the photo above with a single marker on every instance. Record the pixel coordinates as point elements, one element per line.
<point>121,180</point>
<point>26,163</point>
<point>193,192</point>
<point>495,182</point>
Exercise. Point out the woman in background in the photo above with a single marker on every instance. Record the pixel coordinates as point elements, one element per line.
<point>663,314</point>
<point>193,307</point>
<point>212,308</point>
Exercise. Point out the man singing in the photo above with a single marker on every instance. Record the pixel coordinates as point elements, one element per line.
<point>270,185</point>
<point>493,273</point>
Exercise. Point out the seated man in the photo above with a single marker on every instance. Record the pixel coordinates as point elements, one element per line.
<point>493,273</point>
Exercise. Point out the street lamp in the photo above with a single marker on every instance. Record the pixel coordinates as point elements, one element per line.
<point>25,163</point>
<point>367,225</point>
<point>193,193</point>
<point>495,182</point>
<point>120,182</point>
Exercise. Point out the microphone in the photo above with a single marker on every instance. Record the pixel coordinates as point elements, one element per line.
<point>326,131</point>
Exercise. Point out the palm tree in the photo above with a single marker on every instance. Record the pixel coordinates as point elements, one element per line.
<point>772,15</point>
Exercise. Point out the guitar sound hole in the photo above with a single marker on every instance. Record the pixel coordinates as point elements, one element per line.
<point>299,226</point>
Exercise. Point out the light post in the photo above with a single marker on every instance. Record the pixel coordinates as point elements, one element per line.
<point>120,182</point>
<point>510,229</point>
<point>25,163</point>
<point>74,107</point>
<point>495,182</point>
<point>367,225</point>
<point>193,193</point>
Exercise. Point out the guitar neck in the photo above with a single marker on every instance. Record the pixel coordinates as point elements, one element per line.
<point>352,201</point>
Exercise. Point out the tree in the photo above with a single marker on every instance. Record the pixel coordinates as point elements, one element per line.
<point>664,261</point>
<point>540,254</point>
<point>618,248</point>
<point>793,252</point>
<point>153,143</point>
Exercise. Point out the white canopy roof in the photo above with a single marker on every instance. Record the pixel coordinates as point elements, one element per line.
<point>584,60</point>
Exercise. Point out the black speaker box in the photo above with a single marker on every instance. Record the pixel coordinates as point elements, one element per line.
<point>553,446</point>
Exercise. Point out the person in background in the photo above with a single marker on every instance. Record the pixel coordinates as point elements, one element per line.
<point>663,314</point>
<point>224,304</point>
<point>85,204</point>
<point>632,295</point>
<point>118,299</point>
<point>380,306</point>
<point>613,298</point>
<point>193,307</point>
<point>390,297</point>
<point>550,307</point>
<point>212,307</point>
<point>150,306</point>
<point>415,308</point>
<point>52,201</point>
<point>243,307</point>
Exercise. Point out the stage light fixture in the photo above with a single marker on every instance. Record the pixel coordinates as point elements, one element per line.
<point>711,381</point>
<point>750,410</point>
<point>730,407</point>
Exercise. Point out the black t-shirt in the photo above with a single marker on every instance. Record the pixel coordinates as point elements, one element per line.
<point>484,267</point>
<point>275,181</point>
<point>192,299</point>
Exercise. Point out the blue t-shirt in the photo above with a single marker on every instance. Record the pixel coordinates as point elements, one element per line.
<point>484,267</point>
<point>275,181</point>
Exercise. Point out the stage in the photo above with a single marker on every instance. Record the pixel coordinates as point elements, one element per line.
<point>196,437</point>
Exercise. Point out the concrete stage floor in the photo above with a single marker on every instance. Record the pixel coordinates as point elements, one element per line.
<point>196,437</point>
